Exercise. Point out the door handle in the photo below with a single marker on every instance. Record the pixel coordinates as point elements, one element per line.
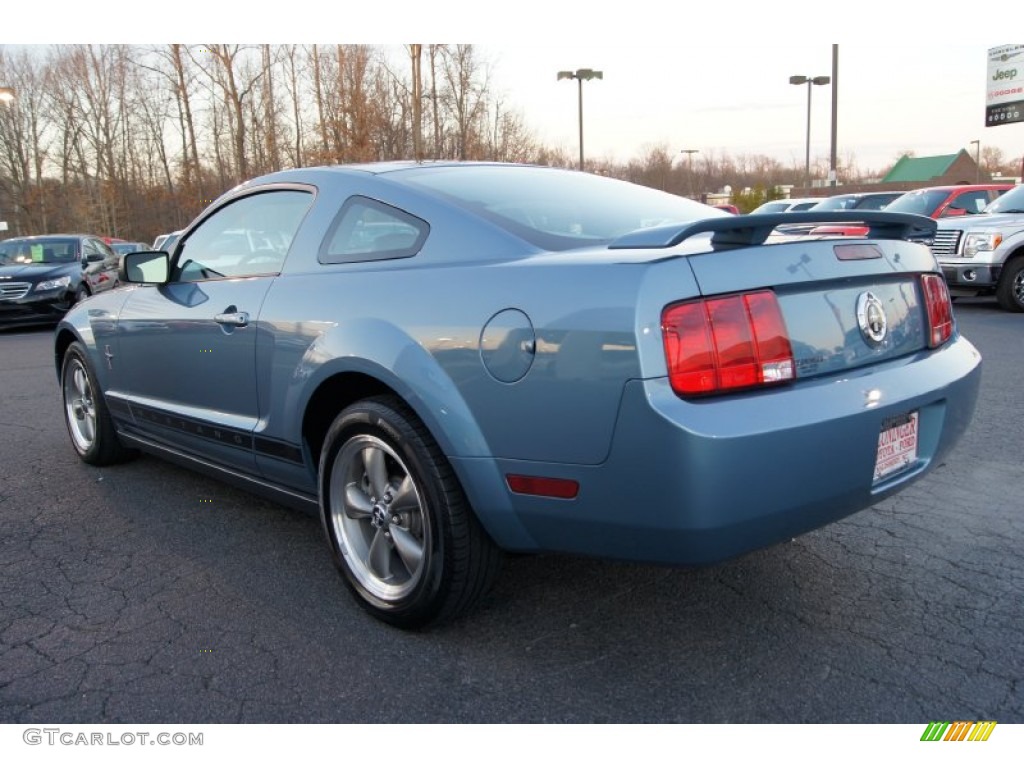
<point>236,319</point>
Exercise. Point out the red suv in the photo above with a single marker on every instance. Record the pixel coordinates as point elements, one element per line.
<point>961,200</point>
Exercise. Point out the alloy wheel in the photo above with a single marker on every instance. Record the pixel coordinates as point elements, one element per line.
<point>80,405</point>
<point>378,516</point>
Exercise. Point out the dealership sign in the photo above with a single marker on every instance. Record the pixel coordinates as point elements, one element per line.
<point>1004,85</point>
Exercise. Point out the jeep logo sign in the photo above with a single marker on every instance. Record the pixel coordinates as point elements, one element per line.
<point>1004,85</point>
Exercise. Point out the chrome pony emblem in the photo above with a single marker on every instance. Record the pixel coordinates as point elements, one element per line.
<point>871,318</point>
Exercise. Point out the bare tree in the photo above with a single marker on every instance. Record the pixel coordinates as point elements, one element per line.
<point>295,92</point>
<point>24,142</point>
<point>229,68</point>
<point>467,86</point>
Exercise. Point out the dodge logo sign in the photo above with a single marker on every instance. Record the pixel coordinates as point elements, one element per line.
<point>871,318</point>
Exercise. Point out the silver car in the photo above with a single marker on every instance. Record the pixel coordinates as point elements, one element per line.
<point>449,361</point>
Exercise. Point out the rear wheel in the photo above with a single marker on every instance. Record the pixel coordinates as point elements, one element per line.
<point>398,523</point>
<point>85,412</point>
<point>1010,291</point>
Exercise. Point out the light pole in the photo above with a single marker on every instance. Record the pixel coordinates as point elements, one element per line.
<point>579,76</point>
<point>977,160</point>
<point>689,166</point>
<point>800,80</point>
<point>6,96</point>
<point>832,171</point>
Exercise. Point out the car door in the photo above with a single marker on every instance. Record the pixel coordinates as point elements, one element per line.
<point>100,264</point>
<point>187,347</point>
<point>96,273</point>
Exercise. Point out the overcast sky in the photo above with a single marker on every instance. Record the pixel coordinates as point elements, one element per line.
<point>707,76</point>
<point>927,98</point>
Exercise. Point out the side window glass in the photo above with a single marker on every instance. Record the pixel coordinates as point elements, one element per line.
<point>249,236</point>
<point>91,250</point>
<point>367,230</point>
<point>972,202</point>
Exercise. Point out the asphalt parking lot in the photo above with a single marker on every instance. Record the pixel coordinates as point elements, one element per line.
<point>148,594</point>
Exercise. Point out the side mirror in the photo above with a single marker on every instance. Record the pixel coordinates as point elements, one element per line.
<point>144,267</point>
<point>92,258</point>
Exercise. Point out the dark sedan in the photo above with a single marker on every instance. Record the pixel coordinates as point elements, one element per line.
<point>42,277</point>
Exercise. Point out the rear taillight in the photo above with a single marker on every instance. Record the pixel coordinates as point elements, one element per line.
<point>726,343</point>
<point>939,308</point>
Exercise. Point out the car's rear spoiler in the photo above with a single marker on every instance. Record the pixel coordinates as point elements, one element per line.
<point>739,231</point>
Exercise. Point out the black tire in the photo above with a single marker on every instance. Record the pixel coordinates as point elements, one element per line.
<point>1010,291</point>
<point>398,523</point>
<point>81,294</point>
<point>85,412</point>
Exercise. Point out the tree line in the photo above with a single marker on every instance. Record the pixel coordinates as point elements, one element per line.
<point>130,141</point>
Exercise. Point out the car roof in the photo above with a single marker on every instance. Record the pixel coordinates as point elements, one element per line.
<point>964,187</point>
<point>50,237</point>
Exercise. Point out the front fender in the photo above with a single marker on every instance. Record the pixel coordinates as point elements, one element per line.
<point>93,323</point>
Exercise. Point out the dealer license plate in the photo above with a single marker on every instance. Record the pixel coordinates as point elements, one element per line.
<point>897,444</point>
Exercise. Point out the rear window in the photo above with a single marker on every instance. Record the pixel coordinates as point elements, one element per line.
<point>835,204</point>
<point>778,207</point>
<point>557,209</point>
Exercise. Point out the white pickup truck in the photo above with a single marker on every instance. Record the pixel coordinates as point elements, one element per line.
<point>984,253</point>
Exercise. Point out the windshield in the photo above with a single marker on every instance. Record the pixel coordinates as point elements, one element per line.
<point>922,202</point>
<point>557,209</point>
<point>1010,202</point>
<point>39,250</point>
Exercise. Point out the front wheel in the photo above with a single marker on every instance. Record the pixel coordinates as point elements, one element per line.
<point>1010,291</point>
<point>398,523</point>
<point>85,412</point>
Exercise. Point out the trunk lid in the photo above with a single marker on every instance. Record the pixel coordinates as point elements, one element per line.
<point>845,302</point>
<point>824,296</point>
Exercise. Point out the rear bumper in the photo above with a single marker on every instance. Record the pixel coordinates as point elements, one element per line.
<point>699,482</point>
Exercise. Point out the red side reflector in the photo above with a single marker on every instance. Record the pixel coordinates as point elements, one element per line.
<point>556,488</point>
<point>726,343</point>
<point>939,308</point>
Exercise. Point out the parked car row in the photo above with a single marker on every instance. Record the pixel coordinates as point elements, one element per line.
<point>934,202</point>
<point>42,277</point>
<point>979,240</point>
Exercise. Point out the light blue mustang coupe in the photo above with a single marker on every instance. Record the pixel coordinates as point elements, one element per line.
<point>447,361</point>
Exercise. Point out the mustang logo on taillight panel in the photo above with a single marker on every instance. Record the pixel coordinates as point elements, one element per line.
<point>871,318</point>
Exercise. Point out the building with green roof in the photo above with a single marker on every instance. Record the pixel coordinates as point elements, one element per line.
<point>936,170</point>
